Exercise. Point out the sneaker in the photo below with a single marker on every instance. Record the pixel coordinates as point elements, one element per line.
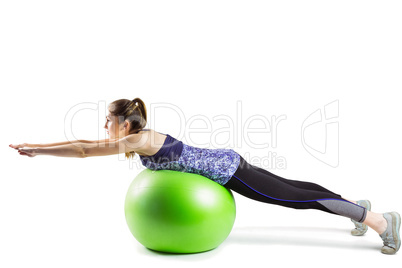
<point>392,241</point>
<point>360,228</point>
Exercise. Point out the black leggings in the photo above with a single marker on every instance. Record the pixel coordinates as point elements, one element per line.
<point>261,185</point>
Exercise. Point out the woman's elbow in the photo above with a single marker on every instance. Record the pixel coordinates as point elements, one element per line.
<point>82,152</point>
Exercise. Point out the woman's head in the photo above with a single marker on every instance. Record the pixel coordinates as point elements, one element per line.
<point>125,117</point>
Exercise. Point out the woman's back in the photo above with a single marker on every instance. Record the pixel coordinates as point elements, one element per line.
<point>216,164</point>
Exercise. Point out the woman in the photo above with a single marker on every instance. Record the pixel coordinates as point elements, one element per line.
<point>125,124</point>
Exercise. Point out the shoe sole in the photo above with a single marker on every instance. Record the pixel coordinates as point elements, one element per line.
<point>396,225</point>
<point>364,225</point>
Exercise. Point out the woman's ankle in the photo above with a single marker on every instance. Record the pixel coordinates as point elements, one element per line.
<point>382,225</point>
<point>376,221</point>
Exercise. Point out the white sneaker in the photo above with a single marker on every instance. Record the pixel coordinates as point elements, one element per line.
<point>360,228</point>
<point>392,241</point>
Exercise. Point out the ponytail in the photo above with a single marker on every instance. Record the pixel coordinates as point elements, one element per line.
<point>134,112</point>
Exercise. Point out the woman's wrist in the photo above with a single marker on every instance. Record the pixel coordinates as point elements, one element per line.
<point>34,145</point>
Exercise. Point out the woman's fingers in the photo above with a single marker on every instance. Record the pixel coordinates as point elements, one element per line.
<point>27,152</point>
<point>21,153</point>
<point>16,146</point>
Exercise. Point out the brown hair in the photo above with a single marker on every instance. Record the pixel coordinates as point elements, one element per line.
<point>133,111</point>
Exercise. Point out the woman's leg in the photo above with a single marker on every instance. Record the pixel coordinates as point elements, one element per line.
<point>261,185</point>
<point>298,184</point>
<point>266,187</point>
<point>376,221</point>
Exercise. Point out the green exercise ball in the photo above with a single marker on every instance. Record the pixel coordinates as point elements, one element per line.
<point>178,212</point>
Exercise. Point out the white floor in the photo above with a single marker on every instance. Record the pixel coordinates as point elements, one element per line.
<point>285,246</point>
<point>276,240</point>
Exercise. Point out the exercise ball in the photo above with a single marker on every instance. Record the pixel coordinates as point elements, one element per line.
<point>178,212</point>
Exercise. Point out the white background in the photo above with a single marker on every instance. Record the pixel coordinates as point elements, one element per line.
<point>202,57</point>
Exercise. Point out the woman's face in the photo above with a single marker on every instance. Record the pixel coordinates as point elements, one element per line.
<point>113,129</point>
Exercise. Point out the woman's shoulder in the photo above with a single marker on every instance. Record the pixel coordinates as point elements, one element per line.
<point>152,141</point>
<point>150,131</point>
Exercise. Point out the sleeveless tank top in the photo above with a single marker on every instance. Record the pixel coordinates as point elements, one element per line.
<point>216,164</point>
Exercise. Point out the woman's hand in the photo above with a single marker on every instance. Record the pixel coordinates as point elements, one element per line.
<point>27,151</point>
<point>17,146</point>
<point>24,151</point>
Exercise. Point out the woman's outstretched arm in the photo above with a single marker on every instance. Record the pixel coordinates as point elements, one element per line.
<point>66,150</point>
<point>129,143</point>
<point>41,145</point>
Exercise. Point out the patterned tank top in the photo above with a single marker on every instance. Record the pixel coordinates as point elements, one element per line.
<point>216,164</point>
